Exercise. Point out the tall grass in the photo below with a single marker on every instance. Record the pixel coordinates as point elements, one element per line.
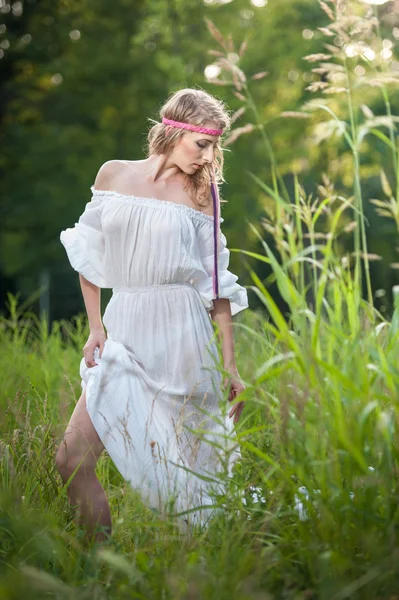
<point>319,471</point>
<point>316,515</point>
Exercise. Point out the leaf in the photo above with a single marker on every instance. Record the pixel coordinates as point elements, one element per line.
<point>382,137</point>
<point>288,291</point>
<point>287,207</point>
<point>252,255</point>
<point>273,361</point>
<point>117,562</point>
<point>269,303</point>
<point>260,454</point>
<point>371,124</point>
<point>365,413</point>
<point>45,582</point>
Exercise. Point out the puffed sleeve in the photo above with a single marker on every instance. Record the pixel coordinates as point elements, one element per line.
<point>228,286</point>
<point>84,243</point>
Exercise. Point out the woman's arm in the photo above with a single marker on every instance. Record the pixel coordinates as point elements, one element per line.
<point>221,315</point>
<point>92,299</point>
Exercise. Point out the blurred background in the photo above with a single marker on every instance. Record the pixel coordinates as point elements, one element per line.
<point>79,80</point>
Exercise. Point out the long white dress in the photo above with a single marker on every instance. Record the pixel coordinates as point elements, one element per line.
<point>155,398</point>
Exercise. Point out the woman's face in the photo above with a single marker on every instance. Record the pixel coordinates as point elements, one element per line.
<point>194,150</point>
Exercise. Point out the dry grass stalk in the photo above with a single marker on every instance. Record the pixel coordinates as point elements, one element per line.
<point>237,132</point>
<point>260,75</point>
<point>327,10</point>
<point>243,48</point>
<point>334,90</point>
<point>237,114</point>
<point>215,33</point>
<point>317,85</point>
<point>326,31</point>
<point>317,57</point>
<point>215,53</point>
<point>240,96</point>
<point>350,227</point>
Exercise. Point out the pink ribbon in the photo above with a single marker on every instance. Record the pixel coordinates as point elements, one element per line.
<point>216,236</point>
<point>196,128</point>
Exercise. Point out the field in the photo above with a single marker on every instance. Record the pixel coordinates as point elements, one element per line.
<point>319,516</point>
<point>311,512</point>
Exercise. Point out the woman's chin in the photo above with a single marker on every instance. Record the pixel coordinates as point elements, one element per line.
<point>190,169</point>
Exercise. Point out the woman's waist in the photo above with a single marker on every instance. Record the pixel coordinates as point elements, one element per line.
<point>152,287</point>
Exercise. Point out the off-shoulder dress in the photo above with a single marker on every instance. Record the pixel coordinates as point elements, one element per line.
<point>155,396</point>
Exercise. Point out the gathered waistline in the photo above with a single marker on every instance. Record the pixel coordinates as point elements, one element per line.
<point>138,288</point>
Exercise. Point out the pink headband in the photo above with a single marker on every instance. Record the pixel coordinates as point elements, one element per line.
<point>196,128</point>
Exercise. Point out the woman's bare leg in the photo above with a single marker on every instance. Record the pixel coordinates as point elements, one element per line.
<point>81,449</point>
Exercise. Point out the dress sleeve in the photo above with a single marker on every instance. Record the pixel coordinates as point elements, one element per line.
<point>228,286</point>
<point>85,245</point>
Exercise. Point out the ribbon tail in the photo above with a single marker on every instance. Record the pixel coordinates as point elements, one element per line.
<point>216,236</point>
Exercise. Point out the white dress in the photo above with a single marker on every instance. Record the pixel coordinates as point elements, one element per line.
<point>155,398</point>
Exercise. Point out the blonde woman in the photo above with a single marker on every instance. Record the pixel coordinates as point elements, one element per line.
<point>152,393</point>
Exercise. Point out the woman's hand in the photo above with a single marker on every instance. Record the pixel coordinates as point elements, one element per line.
<point>236,387</point>
<point>96,339</point>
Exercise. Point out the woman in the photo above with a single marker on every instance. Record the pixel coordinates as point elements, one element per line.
<point>152,393</point>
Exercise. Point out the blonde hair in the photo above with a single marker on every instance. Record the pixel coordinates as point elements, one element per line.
<point>196,107</point>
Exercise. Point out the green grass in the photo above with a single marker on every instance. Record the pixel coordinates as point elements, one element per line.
<point>321,415</point>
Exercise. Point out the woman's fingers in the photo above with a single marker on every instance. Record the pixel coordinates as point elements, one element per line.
<point>236,411</point>
<point>89,360</point>
<point>96,341</point>
<point>88,353</point>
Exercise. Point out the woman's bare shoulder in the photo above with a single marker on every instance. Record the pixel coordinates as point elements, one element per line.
<point>111,170</point>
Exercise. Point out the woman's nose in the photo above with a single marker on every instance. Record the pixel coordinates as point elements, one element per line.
<point>209,154</point>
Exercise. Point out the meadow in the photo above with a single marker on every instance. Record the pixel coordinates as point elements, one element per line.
<point>318,517</point>
<point>312,508</point>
